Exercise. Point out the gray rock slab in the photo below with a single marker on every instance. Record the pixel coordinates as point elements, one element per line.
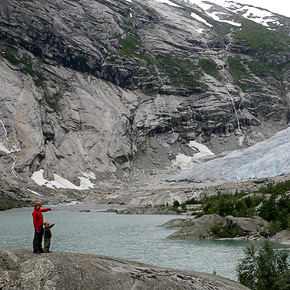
<point>21,269</point>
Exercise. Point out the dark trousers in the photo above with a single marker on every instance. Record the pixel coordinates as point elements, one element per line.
<point>37,241</point>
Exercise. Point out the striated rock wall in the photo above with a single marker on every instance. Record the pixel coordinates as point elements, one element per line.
<point>20,269</point>
<point>92,88</point>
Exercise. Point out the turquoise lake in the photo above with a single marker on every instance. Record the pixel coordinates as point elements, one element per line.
<point>133,237</point>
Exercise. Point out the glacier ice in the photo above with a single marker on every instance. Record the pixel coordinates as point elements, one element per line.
<point>268,158</point>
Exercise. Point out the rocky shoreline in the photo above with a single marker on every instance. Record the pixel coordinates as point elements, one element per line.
<point>240,228</point>
<point>21,269</point>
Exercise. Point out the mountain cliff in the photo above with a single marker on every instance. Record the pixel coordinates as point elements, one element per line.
<point>97,92</point>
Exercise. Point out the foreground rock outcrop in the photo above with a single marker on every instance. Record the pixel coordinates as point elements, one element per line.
<point>202,228</point>
<point>21,269</point>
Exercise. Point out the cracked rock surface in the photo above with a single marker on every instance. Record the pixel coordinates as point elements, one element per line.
<point>21,269</point>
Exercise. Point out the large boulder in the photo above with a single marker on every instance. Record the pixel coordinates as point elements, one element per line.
<point>201,228</point>
<point>21,269</point>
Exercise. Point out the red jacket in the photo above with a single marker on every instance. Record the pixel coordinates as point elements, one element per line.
<point>38,217</point>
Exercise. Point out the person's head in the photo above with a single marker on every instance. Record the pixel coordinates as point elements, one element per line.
<point>46,224</point>
<point>38,205</point>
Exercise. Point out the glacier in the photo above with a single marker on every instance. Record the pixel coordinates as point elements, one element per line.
<point>268,158</point>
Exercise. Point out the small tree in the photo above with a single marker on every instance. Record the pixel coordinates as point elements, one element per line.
<point>176,203</point>
<point>264,269</point>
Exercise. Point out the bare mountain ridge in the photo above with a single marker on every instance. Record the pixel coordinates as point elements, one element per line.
<point>100,91</point>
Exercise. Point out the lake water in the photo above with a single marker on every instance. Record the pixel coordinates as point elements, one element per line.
<point>133,237</point>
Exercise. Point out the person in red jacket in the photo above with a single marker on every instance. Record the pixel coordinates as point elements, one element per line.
<point>38,226</point>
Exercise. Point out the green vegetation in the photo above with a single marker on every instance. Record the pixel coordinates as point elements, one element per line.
<point>27,67</point>
<point>9,55</point>
<point>52,101</point>
<point>36,75</point>
<point>238,71</point>
<point>7,202</point>
<point>176,203</point>
<point>262,69</point>
<point>132,47</point>
<point>173,207</point>
<point>276,189</point>
<point>210,67</point>
<point>180,71</point>
<point>276,209</point>
<point>256,38</point>
<point>264,269</point>
<point>236,205</point>
<point>128,22</point>
<point>221,231</point>
<point>38,78</point>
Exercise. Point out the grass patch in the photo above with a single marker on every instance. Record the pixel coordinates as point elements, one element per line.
<point>238,71</point>
<point>38,78</point>
<point>27,67</point>
<point>262,69</point>
<point>132,47</point>
<point>257,38</point>
<point>53,100</point>
<point>210,67</point>
<point>180,71</point>
<point>219,230</point>
<point>9,55</point>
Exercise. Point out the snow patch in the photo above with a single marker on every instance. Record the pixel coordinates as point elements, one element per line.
<point>168,2</point>
<point>258,15</point>
<point>34,192</point>
<point>200,19</point>
<point>89,174</point>
<point>184,162</point>
<point>60,182</point>
<point>4,149</point>
<point>218,15</point>
<point>204,5</point>
<point>199,30</point>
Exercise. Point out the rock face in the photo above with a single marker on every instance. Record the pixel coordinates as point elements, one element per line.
<point>201,228</point>
<point>282,237</point>
<point>94,89</point>
<point>20,269</point>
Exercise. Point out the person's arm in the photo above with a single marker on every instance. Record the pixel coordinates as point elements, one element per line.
<point>45,209</point>
<point>51,225</point>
